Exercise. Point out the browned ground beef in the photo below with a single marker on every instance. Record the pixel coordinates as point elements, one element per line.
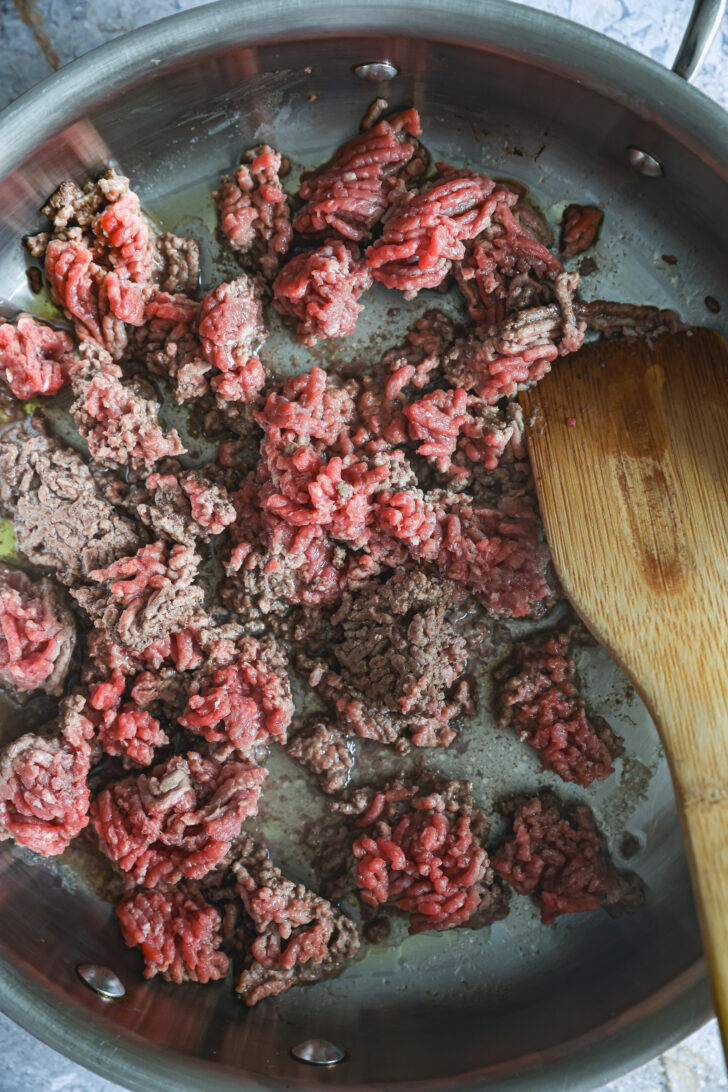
<point>323,749</point>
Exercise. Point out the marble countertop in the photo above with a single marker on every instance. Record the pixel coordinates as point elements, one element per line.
<point>38,37</point>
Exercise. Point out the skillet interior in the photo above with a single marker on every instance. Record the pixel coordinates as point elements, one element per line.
<point>525,1006</point>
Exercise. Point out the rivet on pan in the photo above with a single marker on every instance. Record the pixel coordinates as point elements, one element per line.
<point>643,162</point>
<point>101,980</point>
<point>318,1052</point>
<point>376,71</point>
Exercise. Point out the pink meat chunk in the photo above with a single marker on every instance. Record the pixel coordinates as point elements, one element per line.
<point>254,214</point>
<point>34,358</point>
<point>320,291</point>
<point>231,331</point>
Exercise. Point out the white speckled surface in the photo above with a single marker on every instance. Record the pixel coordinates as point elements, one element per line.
<point>63,30</point>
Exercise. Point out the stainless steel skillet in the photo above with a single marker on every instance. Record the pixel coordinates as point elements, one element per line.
<point>523,95</point>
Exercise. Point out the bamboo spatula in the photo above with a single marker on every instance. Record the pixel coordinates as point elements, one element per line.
<point>629,448</point>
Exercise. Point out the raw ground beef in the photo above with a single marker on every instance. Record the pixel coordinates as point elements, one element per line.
<point>423,853</point>
<point>37,633</point>
<point>176,820</point>
<point>44,798</point>
<point>255,217</point>
<point>537,697</point>
<point>397,668</point>
<point>324,750</point>
<point>34,358</point>
<point>320,290</point>
<point>177,931</point>
<point>298,936</point>
<point>122,728</point>
<point>579,228</point>
<point>556,855</point>
<point>60,519</point>
<point>231,331</point>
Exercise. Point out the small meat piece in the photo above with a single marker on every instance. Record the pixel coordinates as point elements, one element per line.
<point>245,699</point>
<point>424,232</point>
<point>122,728</point>
<point>80,286</point>
<point>176,820</point>
<point>34,358</point>
<point>613,319</point>
<point>231,331</point>
<point>118,420</point>
<point>324,750</point>
<point>536,696</point>
<point>556,855</point>
<point>350,194</point>
<point>187,506</point>
<point>255,217</point>
<point>300,937</point>
<point>44,798</point>
<point>454,427</point>
<point>579,228</point>
<point>423,852</point>
<point>178,263</point>
<point>59,518</point>
<point>37,633</point>
<point>320,291</point>
<point>400,667</point>
<point>177,931</point>
<point>146,597</point>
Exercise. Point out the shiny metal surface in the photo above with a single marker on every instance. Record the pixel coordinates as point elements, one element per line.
<point>644,163</point>
<point>376,71</point>
<point>524,95</point>
<point>101,980</point>
<point>703,26</point>
<point>318,1052</point>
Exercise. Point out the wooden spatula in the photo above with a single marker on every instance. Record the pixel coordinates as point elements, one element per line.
<point>629,447</point>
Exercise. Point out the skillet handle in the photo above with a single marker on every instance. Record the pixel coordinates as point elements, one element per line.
<point>702,29</point>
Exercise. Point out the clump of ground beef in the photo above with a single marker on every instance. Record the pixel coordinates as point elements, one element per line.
<point>231,330</point>
<point>34,358</point>
<point>423,853</point>
<point>177,820</point>
<point>298,936</point>
<point>255,217</point>
<point>177,931</point>
<point>320,290</point>
<point>324,750</point>
<point>536,696</point>
<point>122,728</point>
<point>397,669</point>
<point>348,195</point>
<point>556,855</point>
<point>44,798</point>
<point>60,520</point>
<point>579,228</point>
<point>203,507</point>
<point>37,634</point>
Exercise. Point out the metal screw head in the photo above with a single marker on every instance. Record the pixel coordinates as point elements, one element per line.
<point>376,71</point>
<point>101,980</point>
<point>643,162</point>
<point>318,1052</point>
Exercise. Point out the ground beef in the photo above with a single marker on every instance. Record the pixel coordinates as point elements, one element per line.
<point>189,502</point>
<point>454,428</point>
<point>255,217</point>
<point>579,228</point>
<point>177,259</point>
<point>177,931</point>
<point>299,936</point>
<point>37,633</point>
<point>424,232</point>
<point>34,358</point>
<point>145,597</point>
<point>324,750</point>
<point>627,319</point>
<point>176,820</point>
<point>319,291</point>
<point>556,855</point>
<point>423,852</point>
<point>80,287</point>
<point>243,698</point>
<point>350,194</point>
<point>118,419</point>
<point>59,518</point>
<point>398,667</point>
<point>537,697</point>
<point>44,799</point>
<point>231,331</point>
<point>122,728</point>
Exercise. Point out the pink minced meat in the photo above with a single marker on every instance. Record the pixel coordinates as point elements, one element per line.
<point>320,291</point>
<point>245,699</point>
<point>453,426</point>
<point>424,232</point>
<point>206,504</point>
<point>123,728</point>
<point>255,217</point>
<point>177,931</point>
<point>556,855</point>
<point>537,697</point>
<point>37,634</point>
<point>231,331</point>
<point>176,820</point>
<point>34,358</point>
<point>350,194</point>
<point>44,798</point>
<point>79,286</point>
<point>579,228</point>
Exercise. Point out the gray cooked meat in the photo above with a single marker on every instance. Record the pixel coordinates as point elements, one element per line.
<point>324,750</point>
